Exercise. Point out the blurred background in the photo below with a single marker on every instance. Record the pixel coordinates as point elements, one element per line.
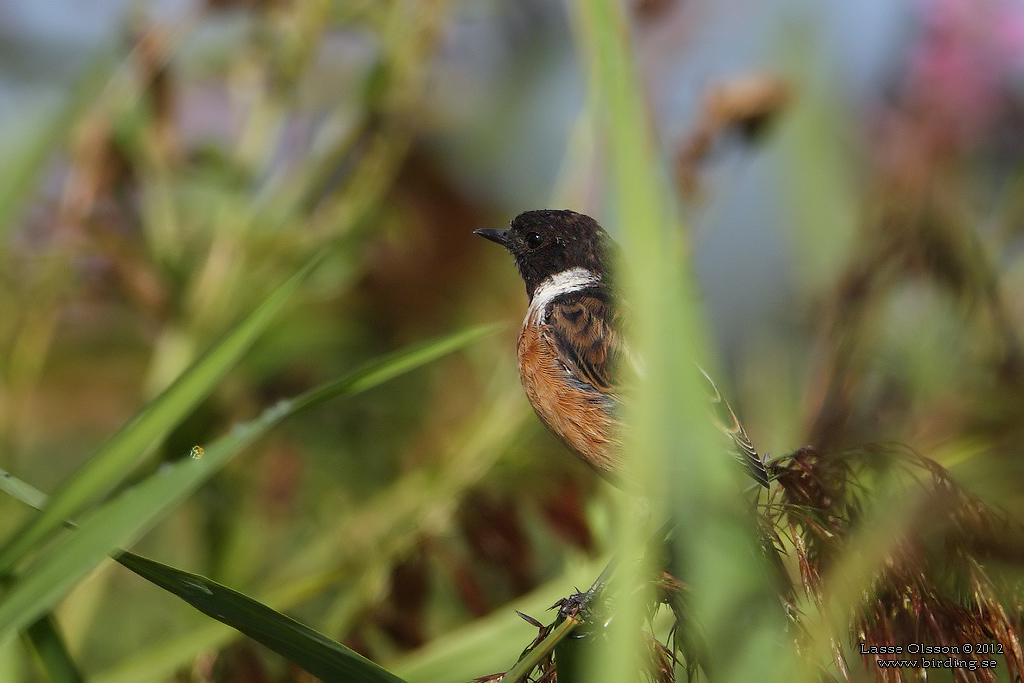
<point>849,175</point>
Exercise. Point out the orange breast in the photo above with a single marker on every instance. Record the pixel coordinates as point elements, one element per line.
<point>578,417</point>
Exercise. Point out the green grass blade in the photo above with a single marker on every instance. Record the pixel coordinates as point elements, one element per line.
<point>45,638</point>
<point>375,534</point>
<point>387,368</point>
<point>299,644</point>
<point>117,523</point>
<point>526,664</point>
<point>674,454</point>
<point>644,213</point>
<point>157,662</point>
<point>26,493</point>
<point>121,452</point>
<point>129,515</point>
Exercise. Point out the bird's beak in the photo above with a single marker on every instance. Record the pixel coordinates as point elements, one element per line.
<point>494,235</point>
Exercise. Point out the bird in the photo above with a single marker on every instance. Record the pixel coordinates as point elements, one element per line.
<point>572,352</point>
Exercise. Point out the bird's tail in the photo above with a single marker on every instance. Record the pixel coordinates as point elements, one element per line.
<point>731,427</point>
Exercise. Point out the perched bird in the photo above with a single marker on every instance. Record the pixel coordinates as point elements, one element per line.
<point>571,348</point>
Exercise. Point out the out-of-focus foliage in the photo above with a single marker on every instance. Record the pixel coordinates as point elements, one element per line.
<point>200,164</point>
<point>199,161</point>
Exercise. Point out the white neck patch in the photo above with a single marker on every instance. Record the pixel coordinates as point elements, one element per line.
<point>572,280</point>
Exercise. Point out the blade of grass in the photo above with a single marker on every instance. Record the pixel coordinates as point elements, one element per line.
<point>158,662</point>
<point>389,367</point>
<point>124,449</point>
<point>526,664</point>
<point>49,647</point>
<point>674,456</point>
<point>24,492</point>
<point>642,209</point>
<point>12,662</point>
<point>480,648</point>
<point>129,515</point>
<point>346,556</point>
<point>299,644</point>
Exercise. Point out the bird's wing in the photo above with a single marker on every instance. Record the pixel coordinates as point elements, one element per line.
<point>585,329</point>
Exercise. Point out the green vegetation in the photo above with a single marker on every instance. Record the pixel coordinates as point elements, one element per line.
<point>260,420</point>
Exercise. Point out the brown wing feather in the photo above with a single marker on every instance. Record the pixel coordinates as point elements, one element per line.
<point>586,330</point>
<point>580,334</point>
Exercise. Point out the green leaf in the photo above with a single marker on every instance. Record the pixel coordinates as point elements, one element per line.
<point>387,368</point>
<point>26,493</point>
<point>675,458</point>
<point>45,638</point>
<point>316,653</point>
<point>531,659</point>
<point>354,548</point>
<point>122,452</point>
<point>129,515</point>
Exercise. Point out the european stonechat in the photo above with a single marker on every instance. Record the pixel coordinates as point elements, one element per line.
<point>571,346</point>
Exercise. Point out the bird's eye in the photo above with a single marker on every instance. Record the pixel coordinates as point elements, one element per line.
<point>533,240</point>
